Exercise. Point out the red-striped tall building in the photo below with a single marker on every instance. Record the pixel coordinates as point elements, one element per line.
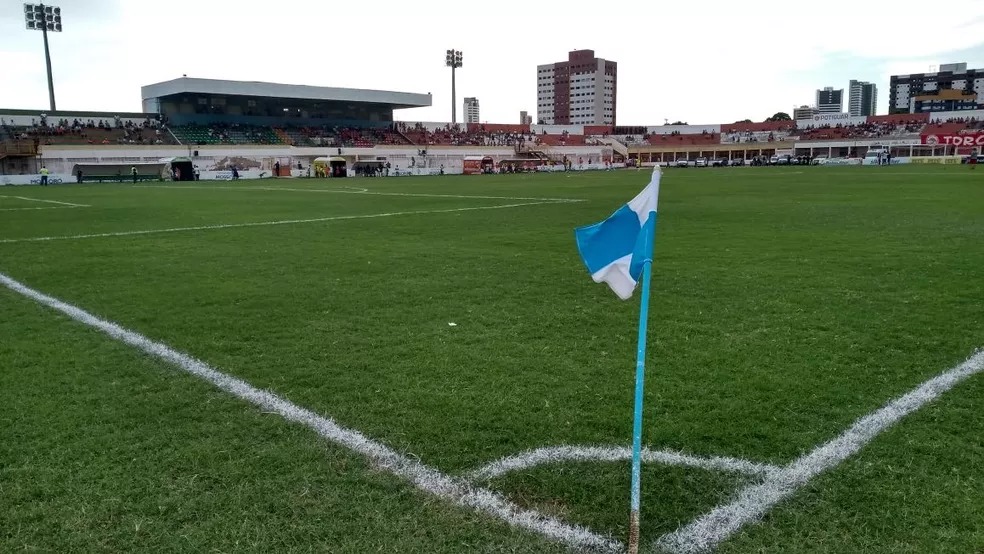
<point>579,91</point>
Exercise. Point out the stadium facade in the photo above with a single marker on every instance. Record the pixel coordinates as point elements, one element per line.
<point>205,101</point>
<point>256,128</point>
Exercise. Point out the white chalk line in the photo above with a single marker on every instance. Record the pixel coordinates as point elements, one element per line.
<point>707,531</point>
<point>267,223</point>
<point>38,208</point>
<point>566,453</point>
<point>425,478</point>
<point>361,191</point>
<point>45,201</point>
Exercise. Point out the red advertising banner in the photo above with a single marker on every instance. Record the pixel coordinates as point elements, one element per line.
<point>958,140</point>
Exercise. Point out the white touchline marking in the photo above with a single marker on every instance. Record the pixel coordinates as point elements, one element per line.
<point>558,454</point>
<point>707,531</point>
<point>423,477</point>
<point>362,191</point>
<point>46,201</point>
<point>39,208</point>
<point>267,223</point>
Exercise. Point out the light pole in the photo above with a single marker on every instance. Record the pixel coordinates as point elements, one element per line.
<point>453,60</point>
<point>40,17</point>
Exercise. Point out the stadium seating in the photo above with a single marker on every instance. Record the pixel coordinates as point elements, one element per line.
<point>472,135</point>
<point>889,128</point>
<point>64,132</point>
<point>493,135</point>
<point>676,139</point>
<point>561,140</point>
<point>225,134</point>
<point>761,127</point>
<point>952,127</point>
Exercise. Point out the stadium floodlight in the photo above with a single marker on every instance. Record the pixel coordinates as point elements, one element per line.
<point>40,17</point>
<point>453,60</point>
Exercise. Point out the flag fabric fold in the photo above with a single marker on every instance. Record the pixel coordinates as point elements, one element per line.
<point>614,250</point>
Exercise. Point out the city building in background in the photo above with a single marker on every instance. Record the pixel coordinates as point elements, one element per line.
<point>953,87</point>
<point>830,100</point>
<point>579,91</point>
<point>862,98</point>
<point>525,118</point>
<point>804,112</point>
<point>471,110</point>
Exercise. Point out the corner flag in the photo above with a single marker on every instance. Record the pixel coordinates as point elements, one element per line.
<point>614,250</point>
<point>619,251</point>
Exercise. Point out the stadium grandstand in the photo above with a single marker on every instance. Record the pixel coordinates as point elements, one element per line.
<point>258,128</point>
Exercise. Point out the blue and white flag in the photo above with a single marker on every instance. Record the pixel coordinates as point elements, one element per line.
<point>616,249</point>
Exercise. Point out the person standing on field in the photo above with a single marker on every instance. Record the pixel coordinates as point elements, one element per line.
<point>44,176</point>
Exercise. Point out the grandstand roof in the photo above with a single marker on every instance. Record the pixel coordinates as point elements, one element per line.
<point>275,90</point>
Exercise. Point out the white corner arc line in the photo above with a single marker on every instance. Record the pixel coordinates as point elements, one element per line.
<point>267,223</point>
<point>423,477</point>
<point>565,453</point>
<point>707,531</point>
<point>46,201</point>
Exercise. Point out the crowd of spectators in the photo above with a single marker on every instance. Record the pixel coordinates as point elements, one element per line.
<point>969,123</point>
<point>88,131</point>
<point>754,136</point>
<point>864,130</point>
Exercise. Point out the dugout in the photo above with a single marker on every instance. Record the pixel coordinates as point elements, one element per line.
<point>335,166</point>
<point>476,165</point>
<point>178,169</point>
<point>100,172</point>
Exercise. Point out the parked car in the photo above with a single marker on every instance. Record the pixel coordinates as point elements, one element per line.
<point>735,162</point>
<point>701,162</point>
<point>682,163</point>
<point>719,162</point>
<point>819,160</point>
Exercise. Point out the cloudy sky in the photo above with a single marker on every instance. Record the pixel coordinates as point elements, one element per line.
<point>719,62</point>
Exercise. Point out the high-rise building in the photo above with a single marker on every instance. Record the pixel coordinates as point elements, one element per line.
<point>525,118</point>
<point>471,110</point>
<point>862,98</point>
<point>953,87</point>
<point>804,112</point>
<point>954,67</point>
<point>581,90</point>
<point>830,100</point>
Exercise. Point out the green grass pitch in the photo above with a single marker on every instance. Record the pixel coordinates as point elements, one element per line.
<point>786,303</point>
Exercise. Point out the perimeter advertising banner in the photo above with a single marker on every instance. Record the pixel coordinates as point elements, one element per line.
<point>830,120</point>
<point>972,139</point>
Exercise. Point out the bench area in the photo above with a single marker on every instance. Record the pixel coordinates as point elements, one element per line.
<point>119,178</point>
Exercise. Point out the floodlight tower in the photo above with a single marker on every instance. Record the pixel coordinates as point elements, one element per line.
<point>453,60</point>
<point>40,17</point>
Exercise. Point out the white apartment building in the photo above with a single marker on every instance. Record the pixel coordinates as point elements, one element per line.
<point>471,110</point>
<point>579,91</point>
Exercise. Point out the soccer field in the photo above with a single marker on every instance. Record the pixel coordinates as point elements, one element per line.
<point>396,365</point>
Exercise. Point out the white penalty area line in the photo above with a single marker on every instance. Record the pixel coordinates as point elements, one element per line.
<point>560,454</point>
<point>425,478</point>
<point>352,190</point>
<point>270,223</point>
<point>28,199</point>
<point>709,530</point>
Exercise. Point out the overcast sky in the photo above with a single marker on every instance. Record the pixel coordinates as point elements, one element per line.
<point>713,62</point>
